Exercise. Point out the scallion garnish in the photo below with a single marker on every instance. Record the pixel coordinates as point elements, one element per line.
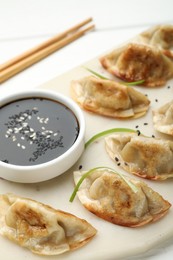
<point>106,132</point>
<point>96,74</point>
<point>85,175</point>
<point>134,83</point>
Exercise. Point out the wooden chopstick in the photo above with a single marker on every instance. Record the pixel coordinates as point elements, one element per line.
<point>23,61</point>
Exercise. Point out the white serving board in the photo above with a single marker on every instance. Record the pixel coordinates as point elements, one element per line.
<point>112,241</point>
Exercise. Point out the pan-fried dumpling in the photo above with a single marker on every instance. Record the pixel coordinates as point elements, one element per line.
<point>163,118</point>
<point>145,157</point>
<point>120,200</point>
<point>134,62</point>
<point>109,98</point>
<point>40,228</point>
<point>160,36</point>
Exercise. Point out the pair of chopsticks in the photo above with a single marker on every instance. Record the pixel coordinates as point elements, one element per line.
<point>28,58</point>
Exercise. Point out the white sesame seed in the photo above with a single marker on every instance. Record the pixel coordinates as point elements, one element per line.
<point>13,138</point>
<point>41,120</point>
<point>18,144</point>
<point>32,135</point>
<point>46,120</point>
<point>22,137</point>
<point>16,131</point>
<point>23,147</point>
<point>29,117</point>
<point>6,136</point>
<point>43,128</point>
<point>31,130</point>
<point>31,142</point>
<point>24,124</point>
<point>55,134</point>
<point>47,136</point>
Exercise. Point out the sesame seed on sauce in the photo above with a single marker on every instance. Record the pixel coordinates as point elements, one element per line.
<point>31,133</point>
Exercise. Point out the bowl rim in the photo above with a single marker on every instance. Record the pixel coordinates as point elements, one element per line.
<point>63,99</point>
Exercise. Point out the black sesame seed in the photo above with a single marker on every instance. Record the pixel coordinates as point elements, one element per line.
<point>156,100</point>
<point>136,126</point>
<point>116,159</point>
<point>153,136</point>
<point>80,167</point>
<point>126,163</point>
<point>168,87</point>
<point>138,132</point>
<point>118,164</point>
<point>145,123</point>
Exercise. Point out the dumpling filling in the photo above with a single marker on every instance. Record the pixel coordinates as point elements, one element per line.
<point>145,157</point>
<point>135,61</point>
<point>163,118</point>
<point>120,200</point>
<point>109,98</point>
<point>40,228</point>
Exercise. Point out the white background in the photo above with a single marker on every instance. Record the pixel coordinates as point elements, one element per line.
<point>24,24</point>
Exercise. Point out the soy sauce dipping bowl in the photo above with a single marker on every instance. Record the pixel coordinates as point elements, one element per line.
<point>54,167</point>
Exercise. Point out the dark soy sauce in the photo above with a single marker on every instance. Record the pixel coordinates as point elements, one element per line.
<point>35,130</point>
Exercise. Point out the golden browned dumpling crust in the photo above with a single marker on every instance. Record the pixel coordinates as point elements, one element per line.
<point>160,36</point>
<point>145,157</point>
<point>134,62</point>
<point>109,98</point>
<point>40,228</point>
<point>120,200</point>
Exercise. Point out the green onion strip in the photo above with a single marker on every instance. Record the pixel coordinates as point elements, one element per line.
<point>106,132</point>
<point>134,83</point>
<point>91,140</point>
<point>85,175</point>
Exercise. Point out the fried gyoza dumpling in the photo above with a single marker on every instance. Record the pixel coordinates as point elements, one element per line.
<point>120,200</point>
<point>160,36</point>
<point>163,118</point>
<point>40,228</point>
<point>145,157</point>
<point>134,62</point>
<point>109,98</point>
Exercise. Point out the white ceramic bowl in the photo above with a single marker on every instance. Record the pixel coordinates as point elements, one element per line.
<point>52,168</point>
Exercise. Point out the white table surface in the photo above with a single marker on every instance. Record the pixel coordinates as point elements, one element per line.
<point>24,24</point>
